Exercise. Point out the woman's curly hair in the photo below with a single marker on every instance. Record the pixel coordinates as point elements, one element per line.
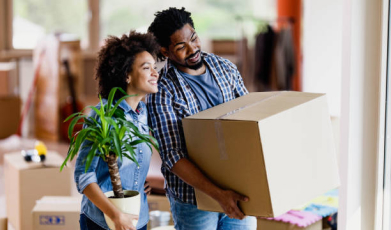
<point>116,57</point>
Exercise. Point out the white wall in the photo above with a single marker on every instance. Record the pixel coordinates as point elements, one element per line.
<point>322,50</point>
<point>360,113</point>
<point>342,50</point>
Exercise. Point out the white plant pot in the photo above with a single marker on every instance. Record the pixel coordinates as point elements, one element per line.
<point>130,205</point>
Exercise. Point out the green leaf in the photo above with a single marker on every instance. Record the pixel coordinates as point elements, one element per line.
<point>113,123</point>
<point>72,115</point>
<point>132,153</point>
<point>121,132</point>
<point>136,142</point>
<point>94,108</point>
<point>72,126</point>
<point>111,97</point>
<point>90,156</point>
<point>117,143</point>
<point>80,138</point>
<point>67,158</point>
<point>117,104</point>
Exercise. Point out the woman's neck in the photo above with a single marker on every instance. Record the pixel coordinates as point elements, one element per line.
<point>133,101</point>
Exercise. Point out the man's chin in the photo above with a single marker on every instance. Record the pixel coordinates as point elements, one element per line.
<point>196,66</point>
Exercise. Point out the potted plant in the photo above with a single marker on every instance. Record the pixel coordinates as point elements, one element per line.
<point>111,137</point>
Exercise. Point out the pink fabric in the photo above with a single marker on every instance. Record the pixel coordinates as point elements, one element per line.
<point>299,218</point>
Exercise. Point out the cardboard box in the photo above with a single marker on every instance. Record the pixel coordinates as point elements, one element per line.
<point>57,213</point>
<point>10,116</point>
<point>275,225</point>
<point>292,220</point>
<point>276,148</point>
<point>3,223</point>
<point>26,182</point>
<point>8,79</point>
<point>157,202</point>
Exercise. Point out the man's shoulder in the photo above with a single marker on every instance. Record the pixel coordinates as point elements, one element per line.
<point>214,59</point>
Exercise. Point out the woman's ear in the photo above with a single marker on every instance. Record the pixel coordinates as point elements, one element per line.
<point>128,79</point>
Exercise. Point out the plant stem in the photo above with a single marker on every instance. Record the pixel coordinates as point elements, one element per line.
<point>114,175</point>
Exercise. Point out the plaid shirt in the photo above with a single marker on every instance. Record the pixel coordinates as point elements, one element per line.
<point>176,100</point>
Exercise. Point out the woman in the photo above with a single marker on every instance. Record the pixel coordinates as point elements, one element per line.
<point>127,62</point>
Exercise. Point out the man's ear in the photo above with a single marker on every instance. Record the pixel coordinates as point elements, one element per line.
<point>164,51</point>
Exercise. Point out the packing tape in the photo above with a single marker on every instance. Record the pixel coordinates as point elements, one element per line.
<point>219,127</point>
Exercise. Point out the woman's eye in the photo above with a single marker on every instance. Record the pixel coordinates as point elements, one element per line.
<point>181,48</point>
<point>146,68</point>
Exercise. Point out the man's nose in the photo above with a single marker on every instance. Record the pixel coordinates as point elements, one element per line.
<point>192,49</point>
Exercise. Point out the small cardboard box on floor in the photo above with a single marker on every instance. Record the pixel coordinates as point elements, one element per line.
<point>292,220</point>
<point>158,202</point>
<point>26,182</point>
<point>57,213</point>
<point>273,225</point>
<point>274,147</point>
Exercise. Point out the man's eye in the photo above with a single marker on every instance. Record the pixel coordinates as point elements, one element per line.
<point>181,48</point>
<point>194,39</point>
<point>146,68</point>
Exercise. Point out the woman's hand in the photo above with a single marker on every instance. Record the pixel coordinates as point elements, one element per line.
<point>147,188</point>
<point>124,221</point>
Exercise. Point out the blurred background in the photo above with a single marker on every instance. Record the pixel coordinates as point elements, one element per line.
<point>323,46</point>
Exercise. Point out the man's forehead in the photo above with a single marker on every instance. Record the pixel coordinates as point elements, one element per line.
<point>182,35</point>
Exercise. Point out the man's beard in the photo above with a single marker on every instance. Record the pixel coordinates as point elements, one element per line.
<point>195,66</point>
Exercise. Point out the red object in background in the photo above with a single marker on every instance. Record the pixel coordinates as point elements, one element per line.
<point>71,106</point>
<point>292,9</point>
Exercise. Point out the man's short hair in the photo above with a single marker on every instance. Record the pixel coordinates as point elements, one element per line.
<point>166,22</point>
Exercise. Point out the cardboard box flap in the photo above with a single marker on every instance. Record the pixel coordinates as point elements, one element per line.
<point>257,106</point>
<point>53,159</point>
<point>58,204</point>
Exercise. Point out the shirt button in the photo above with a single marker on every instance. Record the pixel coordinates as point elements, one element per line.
<point>135,183</point>
<point>138,167</point>
<point>141,151</point>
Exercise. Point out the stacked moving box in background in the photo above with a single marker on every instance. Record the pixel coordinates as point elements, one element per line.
<point>3,223</point>
<point>27,182</point>
<point>9,100</point>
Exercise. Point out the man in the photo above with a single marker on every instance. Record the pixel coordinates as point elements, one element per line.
<point>191,81</point>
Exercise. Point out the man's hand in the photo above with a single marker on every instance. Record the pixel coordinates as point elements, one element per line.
<point>124,221</point>
<point>228,200</point>
<point>147,188</point>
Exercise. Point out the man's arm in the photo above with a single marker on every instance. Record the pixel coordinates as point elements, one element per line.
<point>227,199</point>
<point>167,125</point>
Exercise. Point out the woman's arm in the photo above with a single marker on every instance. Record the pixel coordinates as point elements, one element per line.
<point>121,220</point>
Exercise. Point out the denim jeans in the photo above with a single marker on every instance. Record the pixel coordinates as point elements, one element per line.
<point>188,217</point>
<point>87,224</point>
